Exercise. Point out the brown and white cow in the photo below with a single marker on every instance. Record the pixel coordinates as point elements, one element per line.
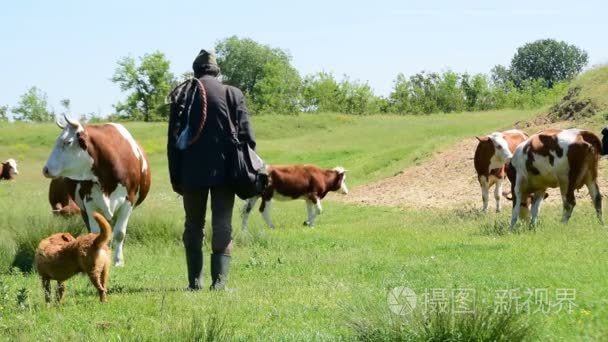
<point>8,169</point>
<point>111,170</point>
<point>491,155</point>
<point>307,182</point>
<point>553,158</point>
<point>62,192</point>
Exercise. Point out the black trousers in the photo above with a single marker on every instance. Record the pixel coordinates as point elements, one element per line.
<point>195,206</point>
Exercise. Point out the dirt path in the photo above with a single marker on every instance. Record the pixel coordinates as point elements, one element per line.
<point>446,180</point>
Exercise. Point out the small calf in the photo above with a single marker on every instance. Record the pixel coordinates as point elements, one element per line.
<point>492,153</point>
<point>291,182</point>
<point>8,169</point>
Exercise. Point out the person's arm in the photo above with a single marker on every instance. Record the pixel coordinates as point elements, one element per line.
<point>174,155</point>
<point>242,114</point>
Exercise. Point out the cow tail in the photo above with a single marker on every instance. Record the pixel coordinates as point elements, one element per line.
<point>106,231</point>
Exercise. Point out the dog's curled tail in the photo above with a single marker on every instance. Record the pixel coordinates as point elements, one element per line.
<point>106,230</point>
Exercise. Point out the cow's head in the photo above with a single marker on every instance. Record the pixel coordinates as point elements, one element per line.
<point>9,169</point>
<point>526,203</point>
<point>69,158</point>
<point>502,153</point>
<point>340,182</point>
<point>605,141</point>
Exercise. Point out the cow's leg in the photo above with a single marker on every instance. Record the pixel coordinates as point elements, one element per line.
<point>315,208</point>
<point>537,202</point>
<point>485,191</point>
<point>568,199</point>
<point>596,197</point>
<point>517,198</point>
<point>84,210</point>
<point>120,231</point>
<point>87,215</point>
<point>266,212</point>
<point>310,208</point>
<point>246,210</point>
<point>498,193</point>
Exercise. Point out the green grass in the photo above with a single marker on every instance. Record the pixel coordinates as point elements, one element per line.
<point>295,283</point>
<point>594,84</point>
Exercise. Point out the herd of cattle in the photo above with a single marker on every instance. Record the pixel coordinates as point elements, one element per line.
<point>101,168</point>
<point>552,158</point>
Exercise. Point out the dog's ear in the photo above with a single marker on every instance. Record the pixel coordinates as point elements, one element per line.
<point>67,237</point>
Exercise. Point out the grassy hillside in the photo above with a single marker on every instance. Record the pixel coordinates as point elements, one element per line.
<point>295,283</point>
<point>586,100</point>
<point>594,84</point>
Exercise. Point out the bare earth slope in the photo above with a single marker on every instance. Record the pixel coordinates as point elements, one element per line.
<point>445,180</point>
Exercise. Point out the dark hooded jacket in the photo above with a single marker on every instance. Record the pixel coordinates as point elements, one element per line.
<point>204,163</point>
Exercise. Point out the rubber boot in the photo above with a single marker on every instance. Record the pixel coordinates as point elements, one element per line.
<point>220,267</point>
<point>194,261</point>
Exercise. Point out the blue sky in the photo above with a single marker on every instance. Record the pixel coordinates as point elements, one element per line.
<point>69,49</point>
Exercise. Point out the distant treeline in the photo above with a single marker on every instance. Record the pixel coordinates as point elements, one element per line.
<point>538,75</point>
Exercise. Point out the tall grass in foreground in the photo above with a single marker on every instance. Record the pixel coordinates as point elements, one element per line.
<point>481,325</point>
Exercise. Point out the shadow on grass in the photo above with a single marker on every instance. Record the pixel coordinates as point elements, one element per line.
<point>122,289</point>
<point>501,228</point>
<point>24,258</point>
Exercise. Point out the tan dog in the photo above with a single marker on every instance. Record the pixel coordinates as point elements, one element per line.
<point>61,256</point>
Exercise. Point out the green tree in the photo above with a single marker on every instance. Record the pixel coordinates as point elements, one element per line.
<point>500,76</point>
<point>244,63</point>
<point>449,94</point>
<point>399,98</point>
<point>477,92</point>
<point>148,83</point>
<point>319,93</point>
<point>279,90</point>
<point>33,106</point>
<point>547,60</point>
<point>357,98</point>
<point>423,93</point>
<point>3,113</point>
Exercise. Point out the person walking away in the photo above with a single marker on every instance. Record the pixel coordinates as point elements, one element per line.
<point>198,150</point>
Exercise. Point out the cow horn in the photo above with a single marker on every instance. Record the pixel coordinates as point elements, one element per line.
<point>73,123</point>
<point>59,123</point>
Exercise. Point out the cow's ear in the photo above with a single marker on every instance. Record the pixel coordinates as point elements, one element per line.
<point>482,139</point>
<point>82,140</point>
<point>67,237</point>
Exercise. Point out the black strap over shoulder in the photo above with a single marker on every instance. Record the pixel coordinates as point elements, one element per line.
<point>234,129</point>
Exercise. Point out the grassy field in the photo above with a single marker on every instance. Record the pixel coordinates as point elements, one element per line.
<point>295,283</point>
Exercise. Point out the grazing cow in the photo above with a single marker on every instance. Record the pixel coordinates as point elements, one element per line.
<point>492,154</point>
<point>8,169</point>
<point>111,171</point>
<point>61,197</point>
<point>291,182</point>
<point>567,159</point>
